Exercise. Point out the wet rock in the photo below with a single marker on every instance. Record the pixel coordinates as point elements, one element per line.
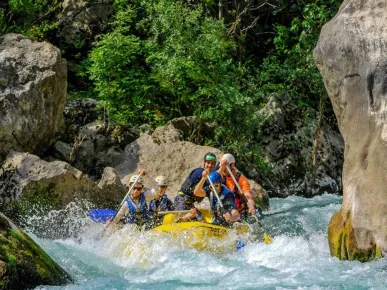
<point>23,264</point>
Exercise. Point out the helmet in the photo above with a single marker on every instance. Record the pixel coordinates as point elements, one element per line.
<point>215,177</point>
<point>210,157</point>
<point>229,158</point>
<point>133,179</point>
<point>161,180</point>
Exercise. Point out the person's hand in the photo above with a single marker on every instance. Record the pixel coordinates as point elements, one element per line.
<point>141,171</point>
<point>194,213</point>
<point>252,210</point>
<point>205,173</point>
<point>223,163</point>
<point>227,216</point>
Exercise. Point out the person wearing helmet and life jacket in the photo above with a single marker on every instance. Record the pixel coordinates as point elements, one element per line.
<point>240,197</point>
<point>135,208</point>
<point>185,197</point>
<point>161,202</point>
<point>225,214</point>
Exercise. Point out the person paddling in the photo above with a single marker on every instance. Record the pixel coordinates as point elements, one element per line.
<point>224,212</point>
<point>161,202</point>
<point>186,198</point>
<point>135,209</point>
<point>240,197</point>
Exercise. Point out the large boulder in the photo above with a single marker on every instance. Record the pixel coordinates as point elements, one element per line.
<point>33,83</point>
<point>350,55</point>
<point>165,153</point>
<point>30,186</point>
<point>23,264</point>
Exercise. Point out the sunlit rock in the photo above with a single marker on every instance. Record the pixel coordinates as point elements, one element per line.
<point>164,153</point>
<point>23,264</point>
<point>351,56</point>
<point>33,83</point>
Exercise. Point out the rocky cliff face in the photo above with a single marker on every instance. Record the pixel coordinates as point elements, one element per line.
<point>351,56</point>
<point>33,82</point>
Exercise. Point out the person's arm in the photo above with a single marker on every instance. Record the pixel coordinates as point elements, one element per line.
<point>199,191</point>
<point>189,215</point>
<point>170,205</point>
<point>231,214</point>
<point>245,186</point>
<point>223,167</point>
<point>122,212</point>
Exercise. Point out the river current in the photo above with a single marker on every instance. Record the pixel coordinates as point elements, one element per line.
<point>298,257</point>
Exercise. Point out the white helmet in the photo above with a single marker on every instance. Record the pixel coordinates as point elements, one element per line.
<point>161,180</point>
<point>229,158</point>
<point>133,179</point>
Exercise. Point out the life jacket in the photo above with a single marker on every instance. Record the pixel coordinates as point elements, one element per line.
<point>239,202</point>
<point>160,205</point>
<point>138,214</point>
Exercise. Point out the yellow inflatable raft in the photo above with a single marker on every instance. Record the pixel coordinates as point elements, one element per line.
<point>203,236</point>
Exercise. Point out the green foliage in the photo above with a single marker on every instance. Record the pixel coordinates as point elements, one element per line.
<point>32,18</point>
<point>189,55</point>
<point>290,67</point>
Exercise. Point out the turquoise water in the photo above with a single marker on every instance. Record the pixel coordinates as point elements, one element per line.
<point>298,258</point>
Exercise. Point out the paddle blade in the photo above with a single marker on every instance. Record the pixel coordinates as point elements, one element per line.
<point>268,239</point>
<point>101,215</point>
<point>240,245</point>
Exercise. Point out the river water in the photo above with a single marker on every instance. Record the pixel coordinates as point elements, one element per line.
<point>298,257</point>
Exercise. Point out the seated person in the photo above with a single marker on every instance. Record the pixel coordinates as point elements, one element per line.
<point>161,202</point>
<point>185,198</point>
<point>135,209</point>
<point>244,200</point>
<point>224,213</point>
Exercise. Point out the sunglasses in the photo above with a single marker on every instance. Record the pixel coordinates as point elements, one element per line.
<point>137,188</point>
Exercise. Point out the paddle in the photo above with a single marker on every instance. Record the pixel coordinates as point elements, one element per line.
<point>174,211</point>
<point>267,238</point>
<point>123,201</point>
<point>240,244</point>
<point>216,193</point>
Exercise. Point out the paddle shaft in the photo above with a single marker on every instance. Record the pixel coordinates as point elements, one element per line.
<point>215,192</point>
<point>174,211</point>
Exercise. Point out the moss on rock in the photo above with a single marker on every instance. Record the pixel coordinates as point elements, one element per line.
<point>343,244</point>
<point>23,264</point>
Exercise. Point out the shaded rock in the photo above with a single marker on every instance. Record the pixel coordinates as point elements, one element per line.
<point>32,94</point>
<point>287,143</point>
<point>350,55</point>
<point>93,150</point>
<point>23,264</point>
<point>84,19</point>
<point>62,151</point>
<point>111,184</point>
<point>78,113</point>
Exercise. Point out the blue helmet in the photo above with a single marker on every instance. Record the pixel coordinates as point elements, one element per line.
<point>215,177</point>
